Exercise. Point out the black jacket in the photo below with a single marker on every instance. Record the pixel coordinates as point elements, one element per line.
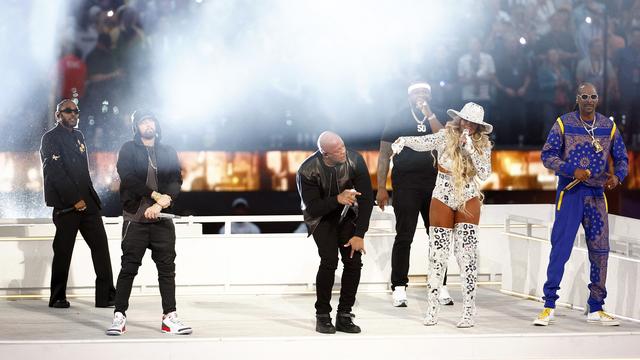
<point>132,166</point>
<point>65,169</point>
<point>314,184</point>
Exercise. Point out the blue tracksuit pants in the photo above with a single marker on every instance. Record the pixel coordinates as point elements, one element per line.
<point>587,206</point>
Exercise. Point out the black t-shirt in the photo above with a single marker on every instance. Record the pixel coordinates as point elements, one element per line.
<point>411,169</point>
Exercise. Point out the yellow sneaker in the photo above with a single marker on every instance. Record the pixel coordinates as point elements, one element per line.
<point>545,317</point>
<point>602,318</point>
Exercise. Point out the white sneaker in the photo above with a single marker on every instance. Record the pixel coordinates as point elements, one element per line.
<point>545,317</point>
<point>172,325</point>
<point>400,296</point>
<point>430,319</point>
<point>465,323</point>
<point>444,298</point>
<point>602,318</point>
<point>118,327</point>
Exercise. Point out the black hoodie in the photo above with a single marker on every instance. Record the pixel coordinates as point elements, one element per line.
<point>133,164</point>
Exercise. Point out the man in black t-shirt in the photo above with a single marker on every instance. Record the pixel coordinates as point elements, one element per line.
<point>413,178</point>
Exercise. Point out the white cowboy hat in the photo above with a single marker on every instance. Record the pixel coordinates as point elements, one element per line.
<point>474,113</point>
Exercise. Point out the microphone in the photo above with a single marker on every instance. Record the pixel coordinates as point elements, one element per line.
<point>346,208</point>
<point>463,139</point>
<point>168,216</point>
<point>66,211</point>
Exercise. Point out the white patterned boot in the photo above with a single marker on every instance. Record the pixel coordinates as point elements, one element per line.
<point>466,252</point>
<point>439,245</point>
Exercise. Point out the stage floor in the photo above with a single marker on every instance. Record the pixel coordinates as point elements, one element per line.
<point>277,326</point>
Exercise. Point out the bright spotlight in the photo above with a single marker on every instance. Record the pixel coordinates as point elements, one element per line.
<point>588,19</point>
<point>523,41</point>
<point>110,13</point>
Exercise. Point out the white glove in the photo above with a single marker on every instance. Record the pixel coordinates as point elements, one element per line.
<point>397,146</point>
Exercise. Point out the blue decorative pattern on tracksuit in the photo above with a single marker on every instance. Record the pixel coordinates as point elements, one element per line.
<point>569,147</point>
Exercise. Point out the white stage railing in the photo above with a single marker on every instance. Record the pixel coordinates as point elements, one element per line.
<point>527,257</point>
<point>513,248</point>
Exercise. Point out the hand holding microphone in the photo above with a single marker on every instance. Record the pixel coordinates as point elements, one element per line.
<point>348,200</point>
<point>465,141</point>
<point>348,197</point>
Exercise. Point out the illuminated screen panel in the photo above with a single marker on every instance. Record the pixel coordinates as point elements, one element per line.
<point>276,171</point>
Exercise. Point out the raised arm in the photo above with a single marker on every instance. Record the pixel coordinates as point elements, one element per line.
<point>420,143</point>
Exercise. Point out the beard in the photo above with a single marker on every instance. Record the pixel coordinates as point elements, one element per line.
<point>148,134</point>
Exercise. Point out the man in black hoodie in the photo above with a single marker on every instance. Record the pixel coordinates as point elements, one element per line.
<point>150,182</point>
<point>337,200</point>
<point>76,206</point>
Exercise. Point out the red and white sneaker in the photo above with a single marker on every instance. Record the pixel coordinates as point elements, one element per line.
<point>172,325</point>
<point>118,327</point>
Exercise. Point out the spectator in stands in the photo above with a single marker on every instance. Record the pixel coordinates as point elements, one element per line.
<point>87,30</point>
<point>561,38</point>
<point>590,27</point>
<point>554,89</point>
<point>240,207</point>
<point>512,81</point>
<point>627,61</point>
<point>441,73</point>
<point>72,73</point>
<point>476,72</point>
<point>103,84</point>
<point>591,69</point>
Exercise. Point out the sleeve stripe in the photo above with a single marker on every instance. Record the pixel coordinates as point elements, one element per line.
<point>559,121</point>
<point>613,131</point>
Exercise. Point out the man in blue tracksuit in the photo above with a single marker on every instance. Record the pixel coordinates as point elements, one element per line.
<point>578,149</point>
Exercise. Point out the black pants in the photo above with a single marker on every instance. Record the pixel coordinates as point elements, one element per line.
<point>407,204</point>
<point>160,238</point>
<point>92,230</point>
<point>330,238</point>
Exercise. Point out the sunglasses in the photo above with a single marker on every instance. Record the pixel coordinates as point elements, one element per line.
<point>585,97</point>
<point>69,111</point>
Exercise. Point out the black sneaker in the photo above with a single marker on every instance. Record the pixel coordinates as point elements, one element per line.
<point>60,304</point>
<point>324,325</point>
<point>345,323</point>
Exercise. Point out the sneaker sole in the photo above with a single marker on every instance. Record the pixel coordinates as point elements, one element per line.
<point>598,322</point>
<point>543,323</point>
<point>115,332</point>
<point>464,326</point>
<point>179,332</point>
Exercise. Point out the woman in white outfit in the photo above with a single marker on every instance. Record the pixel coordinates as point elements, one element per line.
<point>464,158</point>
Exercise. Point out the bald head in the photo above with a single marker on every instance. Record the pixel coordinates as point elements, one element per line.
<point>332,148</point>
<point>329,141</point>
